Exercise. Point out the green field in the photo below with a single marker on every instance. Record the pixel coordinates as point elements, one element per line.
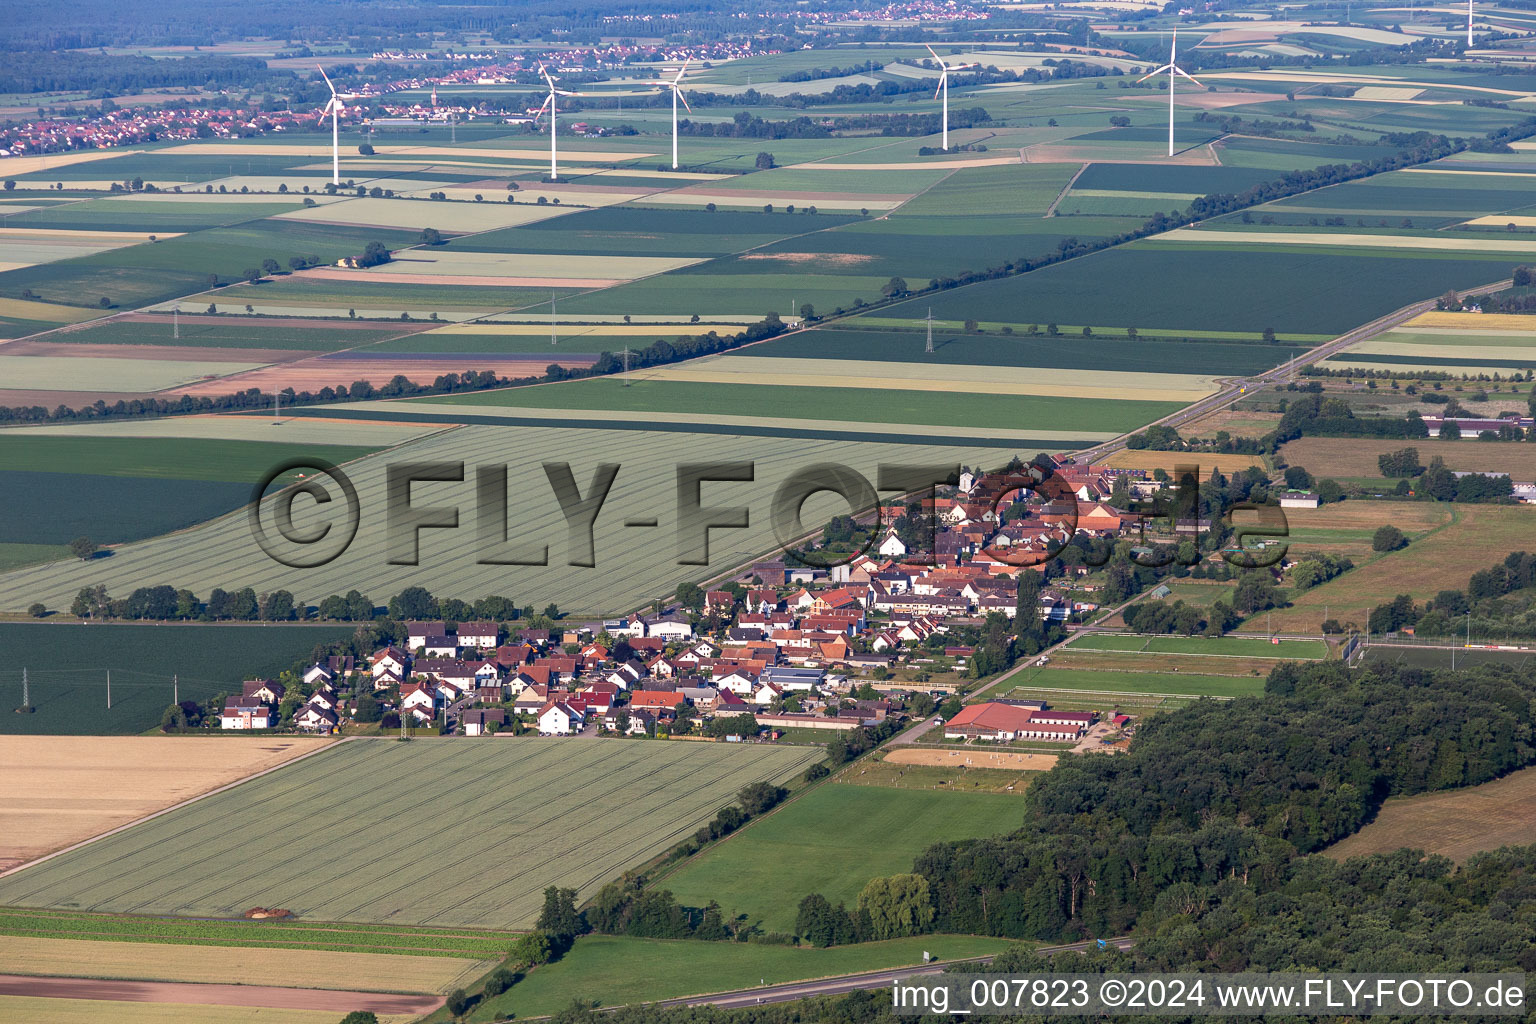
<point>638,231</point>
<point>67,667</point>
<point>833,840</point>
<point>232,332</point>
<point>320,936</point>
<point>178,458</point>
<point>1187,684</point>
<point>524,813</point>
<point>1228,646</point>
<point>53,508</point>
<point>149,216</point>
<point>616,970</point>
<point>866,405</point>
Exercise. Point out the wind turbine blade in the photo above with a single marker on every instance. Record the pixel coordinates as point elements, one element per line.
<point>1154,74</point>
<point>547,79</point>
<point>1186,74</point>
<point>935,55</point>
<point>680,71</point>
<point>685,101</point>
<point>943,77</point>
<point>327,78</point>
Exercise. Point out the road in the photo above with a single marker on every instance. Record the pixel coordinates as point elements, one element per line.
<point>854,982</point>
<point>1235,388</point>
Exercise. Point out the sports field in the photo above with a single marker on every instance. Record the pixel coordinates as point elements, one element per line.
<point>1228,646</point>
<point>1456,823</point>
<point>1109,682</point>
<point>526,813</point>
<point>850,834</point>
<point>63,789</point>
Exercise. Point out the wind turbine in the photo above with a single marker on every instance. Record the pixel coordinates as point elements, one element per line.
<point>943,87</point>
<point>676,85</point>
<point>334,107</point>
<point>549,101</point>
<point>1469,24</point>
<point>1173,69</point>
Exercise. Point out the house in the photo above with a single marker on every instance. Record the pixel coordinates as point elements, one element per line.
<point>390,660</point>
<point>892,546</point>
<point>490,693</point>
<point>314,718</point>
<point>245,713</point>
<point>441,646</point>
<point>627,674</point>
<point>1298,499</point>
<point>788,678</point>
<point>420,698</point>
<point>719,602</point>
<point>324,697</point>
<point>418,633</point>
<point>656,701</point>
<point>319,673</point>
<point>480,635</point>
<point>531,699</point>
<point>1083,719</point>
<point>762,599</point>
<point>483,721</point>
<point>599,697</point>
<point>560,719</point>
<point>630,721</point>
<point>264,690</point>
<point>672,626</point>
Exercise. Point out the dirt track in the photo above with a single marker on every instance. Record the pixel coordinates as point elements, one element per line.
<point>215,995</point>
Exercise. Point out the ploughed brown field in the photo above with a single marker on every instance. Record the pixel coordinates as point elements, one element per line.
<point>318,372</point>
<point>1456,823</point>
<point>62,789</point>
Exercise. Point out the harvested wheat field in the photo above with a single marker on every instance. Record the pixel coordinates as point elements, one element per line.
<point>333,371</point>
<point>1357,456</point>
<point>237,965</point>
<point>62,789</point>
<point>1449,242</point>
<point>1476,321</point>
<point>1456,823</point>
<point>1010,759</point>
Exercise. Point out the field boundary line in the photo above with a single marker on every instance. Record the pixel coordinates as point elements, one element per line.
<point>1050,211</point>
<point>174,807</point>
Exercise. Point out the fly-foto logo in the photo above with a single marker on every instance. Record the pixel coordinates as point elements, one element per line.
<point>305,513</point>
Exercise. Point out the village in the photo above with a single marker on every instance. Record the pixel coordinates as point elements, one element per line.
<point>785,648</point>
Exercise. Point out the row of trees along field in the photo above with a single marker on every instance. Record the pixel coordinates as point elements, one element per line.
<point>1223,803</point>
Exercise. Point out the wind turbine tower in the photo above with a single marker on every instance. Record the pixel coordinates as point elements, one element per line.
<point>1469,24</point>
<point>334,107</point>
<point>549,103</point>
<point>929,318</point>
<point>1173,69</point>
<point>676,85</point>
<point>943,87</point>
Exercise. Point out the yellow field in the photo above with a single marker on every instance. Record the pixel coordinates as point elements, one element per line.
<point>430,262</point>
<point>1456,823</point>
<point>29,164</point>
<point>827,202</point>
<point>123,237</point>
<point>411,214</point>
<point>1012,760</point>
<point>567,331</point>
<point>63,373</point>
<point>989,380</point>
<point>1365,241</point>
<point>304,430</point>
<point>237,965</point>
<point>24,309</point>
<point>1149,461</point>
<point>531,193</point>
<point>62,789</point>
<point>95,1011</point>
<point>1356,456</point>
<point>1476,321</point>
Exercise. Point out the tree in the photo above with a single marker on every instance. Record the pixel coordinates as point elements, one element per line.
<point>1388,538</point>
<point>413,603</point>
<point>765,161</point>
<point>174,719</point>
<point>1450,430</point>
<point>269,266</point>
<point>251,274</point>
<point>37,609</point>
<point>558,919</point>
<point>361,1017</point>
<point>82,548</point>
<point>757,797</point>
<point>457,1003</point>
<point>368,709</point>
<point>1329,491</point>
<point>431,236</point>
<point>897,905</point>
<point>10,184</point>
<point>1297,479</point>
<point>1401,463</point>
<point>1269,335</point>
<point>690,595</point>
<point>374,253</point>
<point>366,149</point>
<point>894,288</point>
<point>105,302</point>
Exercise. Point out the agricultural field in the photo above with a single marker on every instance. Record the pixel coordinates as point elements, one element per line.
<point>1456,823</point>
<point>237,965</point>
<point>1471,538</point>
<point>224,552</point>
<point>1345,458</point>
<point>1103,684</point>
<point>68,788</point>
<point>90,1011</point>
<point>1219,646</point>
<point>852,833</point>
<point>233,332</point>
<point>603,968</point>
<point>67,669</point>
<point>529,822</point>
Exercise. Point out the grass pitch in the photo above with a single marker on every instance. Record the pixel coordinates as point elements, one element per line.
<point>525,814</point>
